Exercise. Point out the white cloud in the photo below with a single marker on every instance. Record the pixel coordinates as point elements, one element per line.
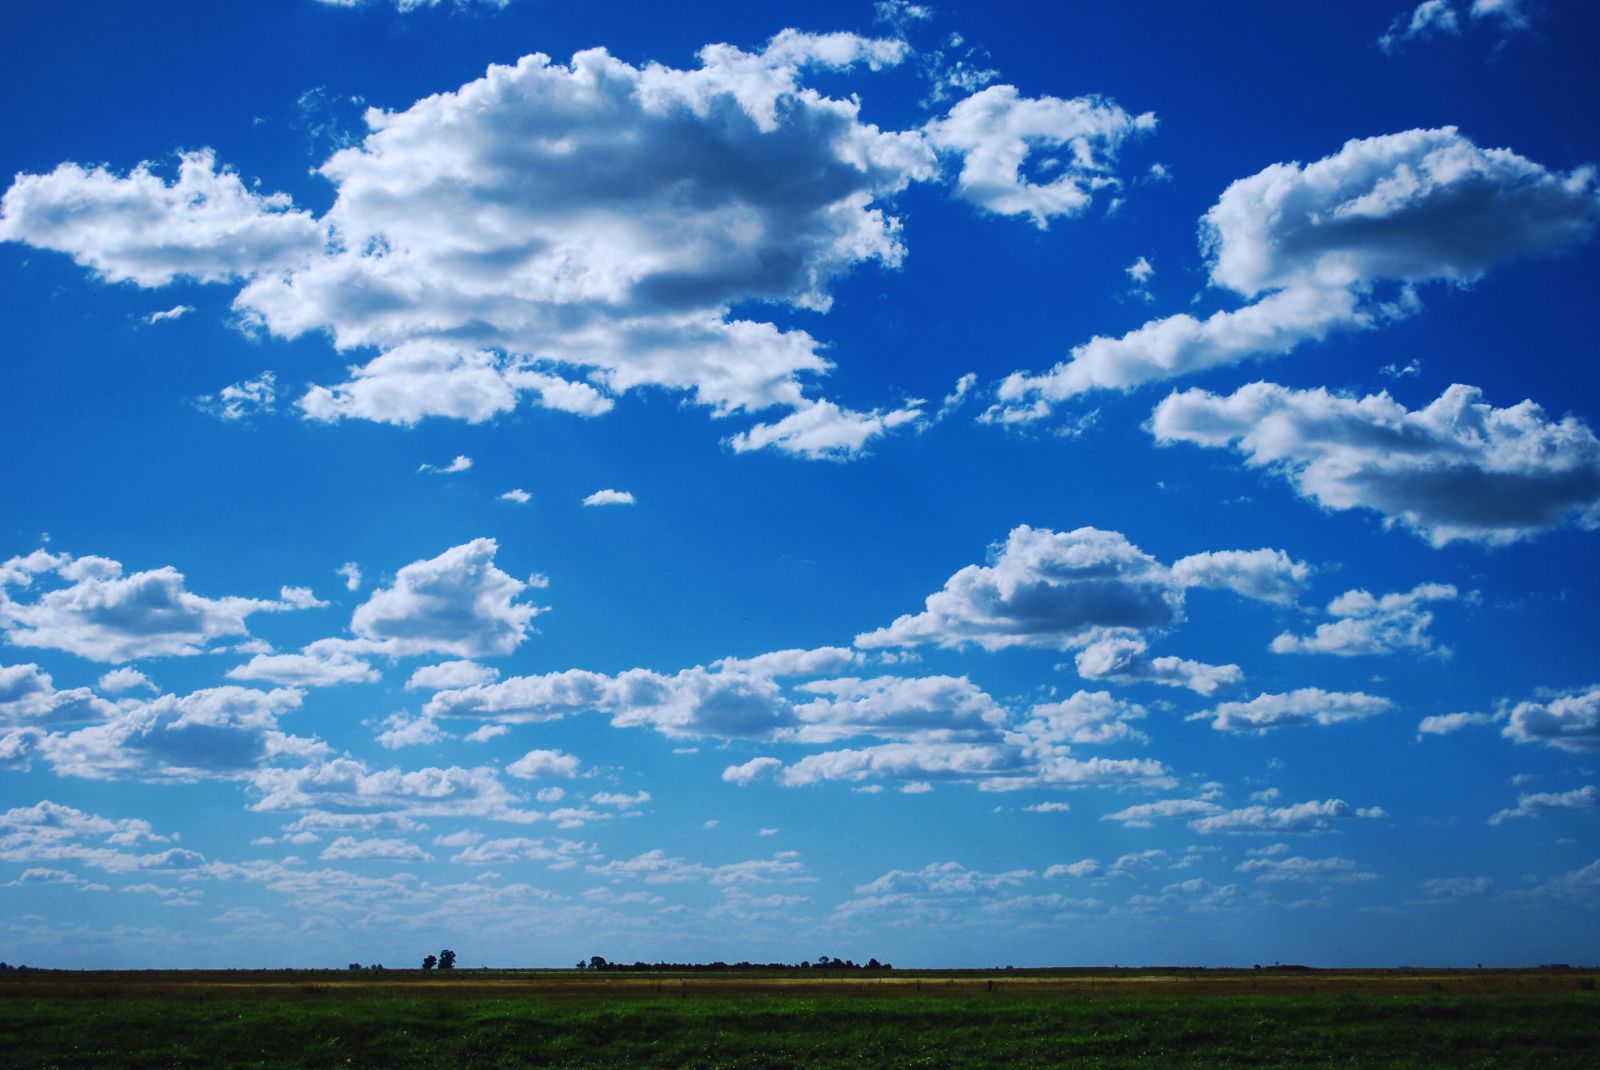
<point>352,575</point>
<point>1373,625</point>
<point>105,616</point>
<point>123,679</point>
<point>408,730</point>
<point>1323,871</point>
<point>900,13</point>
<point>1532,805</point>
<point>44,875</point>
<point>526,698</point>
<point>1048,808</point>
<point>1122,659</point>
<point>949,706</point>
<point>1441,18</point>
<point>1043,588</point>
<point>1178,345</point>
<point>933,727</point>
<point>657,867</point>
<point>517,849</point>
<point>957,396</point>
<point>609,497</point>
<point>991,766</point>
<point>340,788</point>
<point>1579,885</point>
<point>1455,887</point>
<point>1442,724</point>
<point>1457,469</point>
<point>49,821</point>
<point>625,251</point>
<point>1510,14</point>
<point>451,674</point>
<point>943,878</point>
<point>205,225</point>
<point>1308,244</point>
<point>1143,815</point>
<point>1087,717</point>
<point>301,598</point>
<point>794,662</point>
<point>740,699</point>
<point>995,131</point>
<point>1427,19</point>
<point>518,495</point>
<point>225,732</point>
<point>175,312</point>
<point>752,770</point>
<point>1069,589</point>
<point>1087,867</point>
<point>484,733</point>
<point>252,397</point>
<point>628,802</point>
<point>1310,816</point>
<point>1413,206</point>
<point>821,430</point>
<point>457,603</point>
<point>1266,575</point>
<point>1307,705</point>
<point>348,848</point>
<point>418,379</point>
<point>1569,722</point>
<point>544,763</point>
<point>28,695</point>
<point>565,233</point>
<point>460,464</point>
<point>695,703</point>
<point>312,668</point>
<point>52,833</point>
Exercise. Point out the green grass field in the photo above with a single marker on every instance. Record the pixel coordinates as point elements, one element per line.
<point>1077,1019</point>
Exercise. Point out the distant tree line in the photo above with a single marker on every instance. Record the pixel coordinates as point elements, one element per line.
<point>824,962</point>
<point>444,960</point>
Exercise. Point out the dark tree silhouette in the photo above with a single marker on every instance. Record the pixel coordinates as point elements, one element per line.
<point>429,962</point>
<point>447,959</point>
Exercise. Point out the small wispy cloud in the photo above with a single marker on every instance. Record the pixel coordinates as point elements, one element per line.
<point>461,463</point>
<point>249,398</point>
<point>175,312</point>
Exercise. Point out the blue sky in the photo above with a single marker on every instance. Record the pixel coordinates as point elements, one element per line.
<point>964,485</point>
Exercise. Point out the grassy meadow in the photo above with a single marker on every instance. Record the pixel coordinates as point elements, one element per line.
<point>490,1018</point>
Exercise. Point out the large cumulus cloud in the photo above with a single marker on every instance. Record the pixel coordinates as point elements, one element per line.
<point>1458,468</point>
<point>564,233</point>
<point>1308,245</point>
<point>1070,589</point>
<point>98,612</point>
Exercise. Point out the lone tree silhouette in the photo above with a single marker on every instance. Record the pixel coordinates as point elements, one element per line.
<point>429,962</point>
<point>447,959</point>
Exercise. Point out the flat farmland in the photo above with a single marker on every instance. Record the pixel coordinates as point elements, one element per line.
<point>1067,1018</point>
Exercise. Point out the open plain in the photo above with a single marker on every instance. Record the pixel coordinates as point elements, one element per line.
<point>511,1018</point>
